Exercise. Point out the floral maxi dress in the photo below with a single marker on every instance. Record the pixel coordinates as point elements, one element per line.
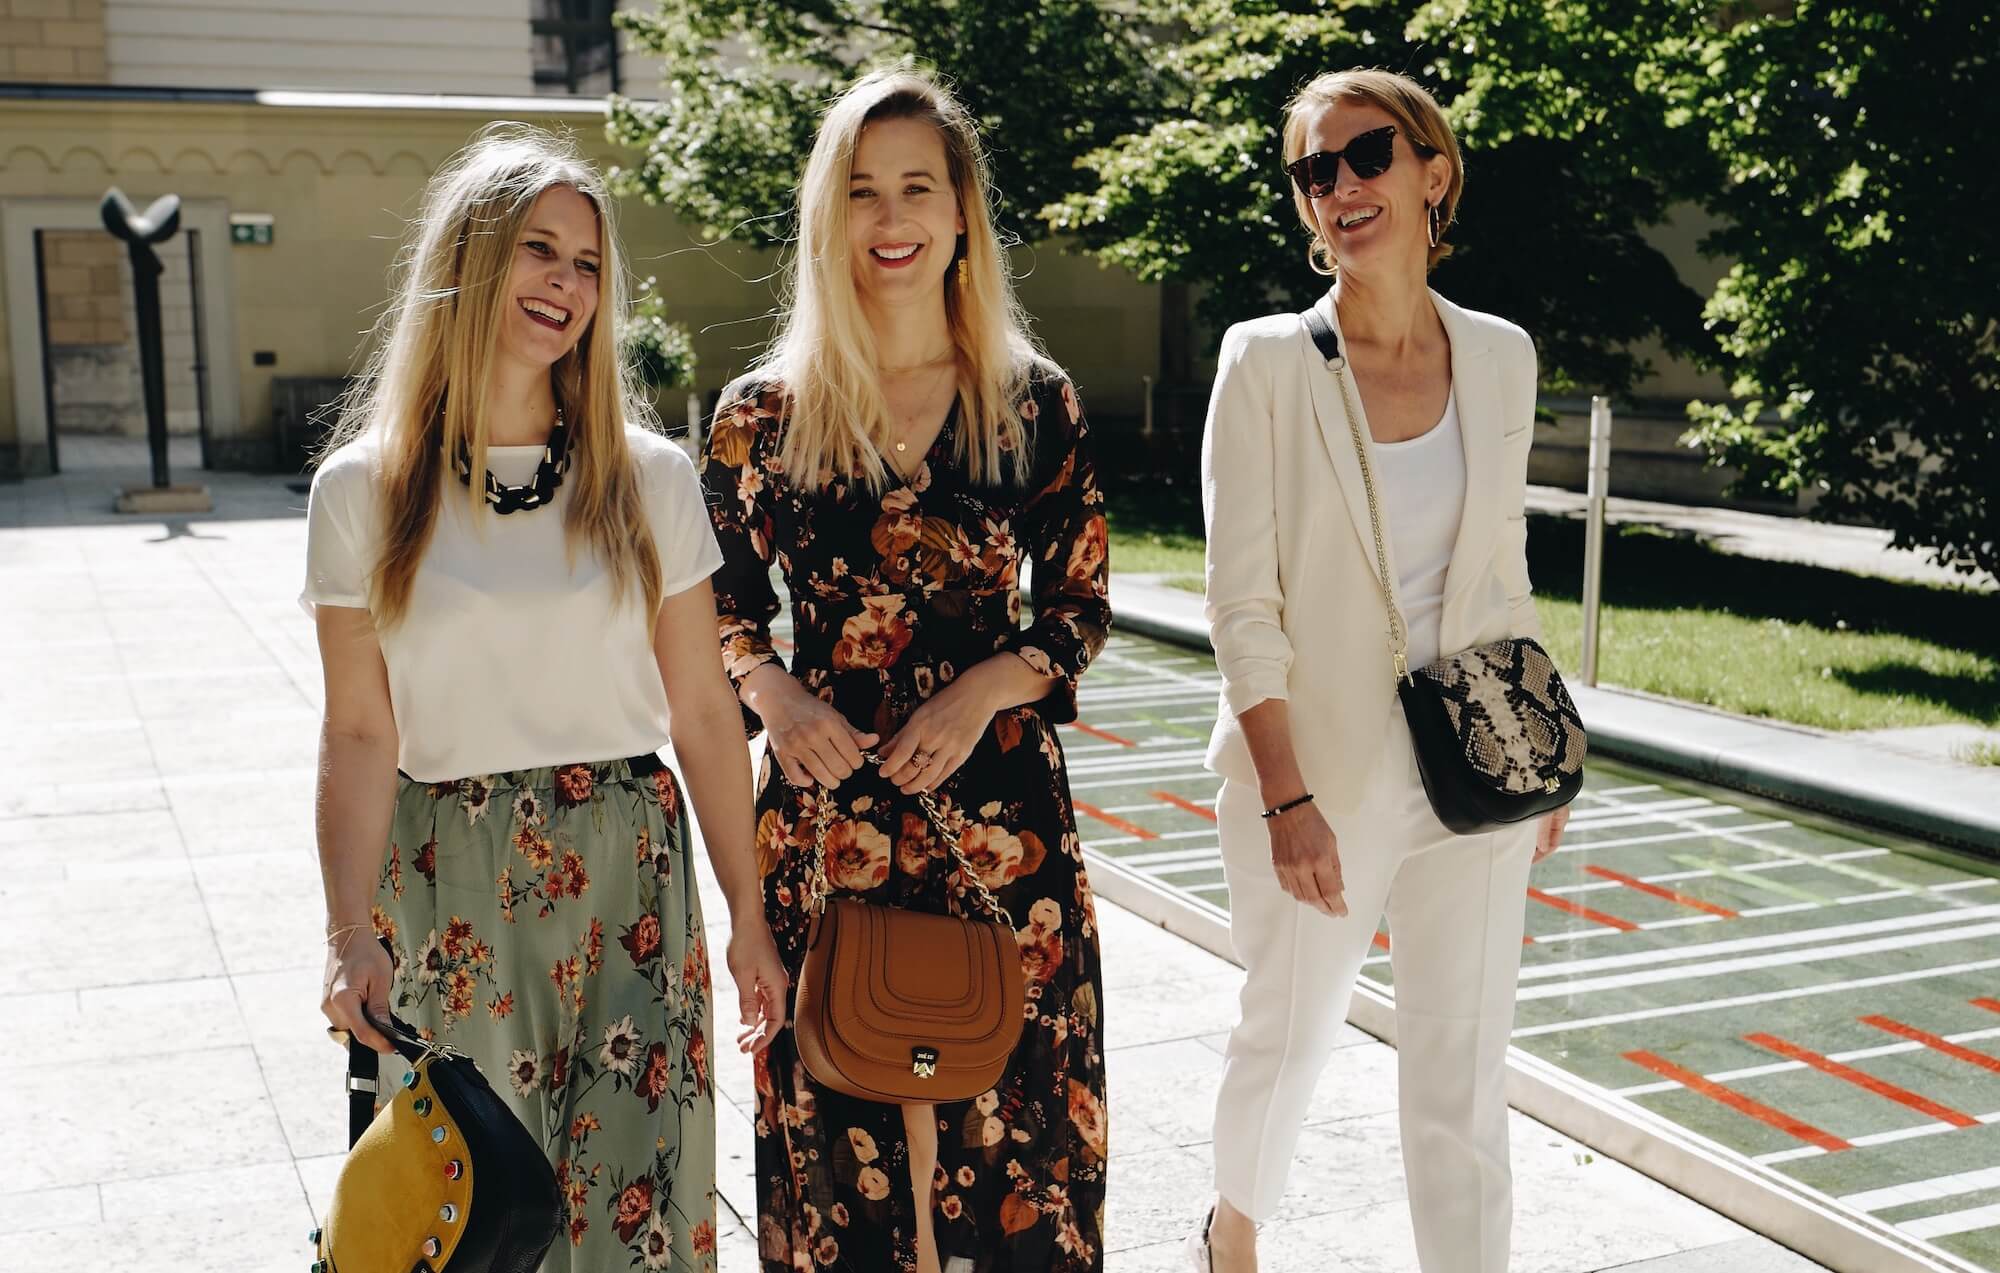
<point>893,596</point>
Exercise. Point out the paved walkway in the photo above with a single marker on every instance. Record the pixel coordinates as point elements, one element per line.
<point>1858,550</point>
<point>169,1098</point>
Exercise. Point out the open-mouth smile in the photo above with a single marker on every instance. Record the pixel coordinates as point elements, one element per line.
<point>554,317</point>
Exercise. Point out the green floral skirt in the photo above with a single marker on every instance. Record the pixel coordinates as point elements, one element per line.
<point>546,923</point>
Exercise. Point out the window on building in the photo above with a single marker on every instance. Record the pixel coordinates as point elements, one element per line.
<point>575,46</point>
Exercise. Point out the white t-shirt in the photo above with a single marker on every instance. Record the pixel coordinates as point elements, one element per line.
<point>1422,482</point>
<point>508,658</point>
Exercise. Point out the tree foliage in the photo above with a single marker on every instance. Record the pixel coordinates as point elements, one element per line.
<point>1837,140</point>
<point>1861,309</point>
<point>1567,162</point>
<point>747,80</point>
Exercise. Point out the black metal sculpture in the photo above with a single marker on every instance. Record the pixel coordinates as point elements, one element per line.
<point>140,231</point>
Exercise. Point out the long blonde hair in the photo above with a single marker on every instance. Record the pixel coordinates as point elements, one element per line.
<point>1418,117</point>
<point>422,395</point>
<point>824,356</point>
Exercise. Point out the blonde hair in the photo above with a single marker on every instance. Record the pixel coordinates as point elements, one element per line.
<point>1418,117</point>
<point>423,392</point>
<point>837,418</point>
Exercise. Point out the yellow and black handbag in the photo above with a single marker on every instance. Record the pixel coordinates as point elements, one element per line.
<point>444,1179</point>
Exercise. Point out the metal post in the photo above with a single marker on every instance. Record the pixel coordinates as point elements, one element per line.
<point>1146,393</point>
<point>1598,489</point>
<point>697,422</point>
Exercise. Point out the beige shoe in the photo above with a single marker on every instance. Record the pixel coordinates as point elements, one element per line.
<point>1196,1246</point>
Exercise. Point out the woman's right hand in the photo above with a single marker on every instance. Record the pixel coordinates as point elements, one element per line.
<point>1306,857</point>
<point>358,974</point>
<point>814,744</point>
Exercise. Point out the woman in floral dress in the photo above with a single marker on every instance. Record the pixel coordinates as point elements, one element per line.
<point>510,585</point>
<point>901,454</point>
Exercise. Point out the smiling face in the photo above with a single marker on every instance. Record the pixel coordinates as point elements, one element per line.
<point>552,284</point>
<point>903,220</point>
<point>1381,223</point>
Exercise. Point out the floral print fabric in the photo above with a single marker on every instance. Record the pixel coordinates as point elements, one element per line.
<point>546,923</point>
<point>893,596</point>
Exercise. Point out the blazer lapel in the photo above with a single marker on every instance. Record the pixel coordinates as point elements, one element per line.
<point>1330,410</point>
<point>1476,387</point>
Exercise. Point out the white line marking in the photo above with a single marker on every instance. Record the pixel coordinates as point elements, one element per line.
<point>1608,792</point>
<point>1782,864</point>
<point>1955,1222</point>
<point>1138,780</point>
<point>1586,817</point>
<point>1586,846</point>
<point>1763,941</point>
<point>1723,967</point>
<point>1876,1138</point>
<point>1781,1067</point>
<point>1936,1187</point>
<point>1743,1001</point>
<point>1685,819</point>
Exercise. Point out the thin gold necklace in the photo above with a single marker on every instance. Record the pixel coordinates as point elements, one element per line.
<point>931,388</point>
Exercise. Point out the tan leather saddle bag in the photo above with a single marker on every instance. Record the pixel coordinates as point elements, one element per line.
<point>902,1006</point>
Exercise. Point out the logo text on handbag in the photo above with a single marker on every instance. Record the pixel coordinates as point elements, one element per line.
<point>923,1062</point>
<point>1551,784</point>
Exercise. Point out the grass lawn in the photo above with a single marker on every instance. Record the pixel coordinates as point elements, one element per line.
<point>1794,643</point>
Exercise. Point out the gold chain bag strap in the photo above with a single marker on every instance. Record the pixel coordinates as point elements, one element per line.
<point>1497,738</point>
<point>901,1006</point>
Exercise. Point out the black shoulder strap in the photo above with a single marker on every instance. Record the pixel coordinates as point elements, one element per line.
<point>1322,334</point>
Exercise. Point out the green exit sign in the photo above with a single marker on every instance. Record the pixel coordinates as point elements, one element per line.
<point>250,228</point>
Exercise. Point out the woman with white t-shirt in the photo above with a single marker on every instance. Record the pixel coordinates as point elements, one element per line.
<point>510,584</point>
<point>1324,823</point>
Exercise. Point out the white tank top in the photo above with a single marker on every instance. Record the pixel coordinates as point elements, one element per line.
<point>1421,482</point>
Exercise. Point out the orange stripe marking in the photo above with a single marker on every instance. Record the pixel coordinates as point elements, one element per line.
<point>1583,912</point>
<point>1656,891</point>
<point>778,642</point>
<point>1105,734</point>
<point>1189,805</point>
<point>1382,940</point>
<point>1888,1091</point>
<point>1935,1043</point>
<point>1740,1103</point>
<point>1113,820</point>
<point>1991,1005</point>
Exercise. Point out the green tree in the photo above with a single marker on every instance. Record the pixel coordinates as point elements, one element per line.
<point>1568,159</point>
<point>1861,309</point>
<point>745,82</point>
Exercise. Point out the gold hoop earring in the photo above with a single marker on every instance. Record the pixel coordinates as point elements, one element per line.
<point>1434,224</point>
<point>1320,258</point>
<point>964,271</point>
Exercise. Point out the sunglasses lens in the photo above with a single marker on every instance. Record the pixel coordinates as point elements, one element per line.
<point>1369,154</point>
<point>1319,174</point>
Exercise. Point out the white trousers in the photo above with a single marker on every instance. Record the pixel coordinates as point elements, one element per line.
<point>1455,906</point>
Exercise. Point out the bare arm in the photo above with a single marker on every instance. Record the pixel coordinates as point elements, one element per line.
<point>354,804</point>
<point>707,731</point>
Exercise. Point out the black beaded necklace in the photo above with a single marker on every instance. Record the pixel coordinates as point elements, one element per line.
<point>539,489</point>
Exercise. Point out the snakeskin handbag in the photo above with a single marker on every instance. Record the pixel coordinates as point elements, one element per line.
<point>1497,738</point>
<point>903,1007</point>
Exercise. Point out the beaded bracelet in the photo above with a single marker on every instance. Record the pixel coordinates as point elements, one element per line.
<point>1288,806</point>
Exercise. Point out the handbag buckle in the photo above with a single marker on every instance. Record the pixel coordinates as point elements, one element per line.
<point>923,1062</point>
<point>1551,784</point>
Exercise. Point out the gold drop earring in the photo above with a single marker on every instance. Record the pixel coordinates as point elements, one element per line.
<point>964,272</point>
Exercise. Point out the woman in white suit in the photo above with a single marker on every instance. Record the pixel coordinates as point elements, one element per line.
<point>1324,821</point>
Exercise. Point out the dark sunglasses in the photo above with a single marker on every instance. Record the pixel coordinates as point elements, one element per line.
<point>1368,155</point>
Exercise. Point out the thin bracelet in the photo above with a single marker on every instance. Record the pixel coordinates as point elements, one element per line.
<point>1288,806</point>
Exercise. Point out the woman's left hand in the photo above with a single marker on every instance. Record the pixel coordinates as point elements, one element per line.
<point>1549,832</point>
<point>761,982</point>
<point>939,736</point>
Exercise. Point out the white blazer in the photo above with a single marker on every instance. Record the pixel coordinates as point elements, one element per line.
<point>1293,608</point>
